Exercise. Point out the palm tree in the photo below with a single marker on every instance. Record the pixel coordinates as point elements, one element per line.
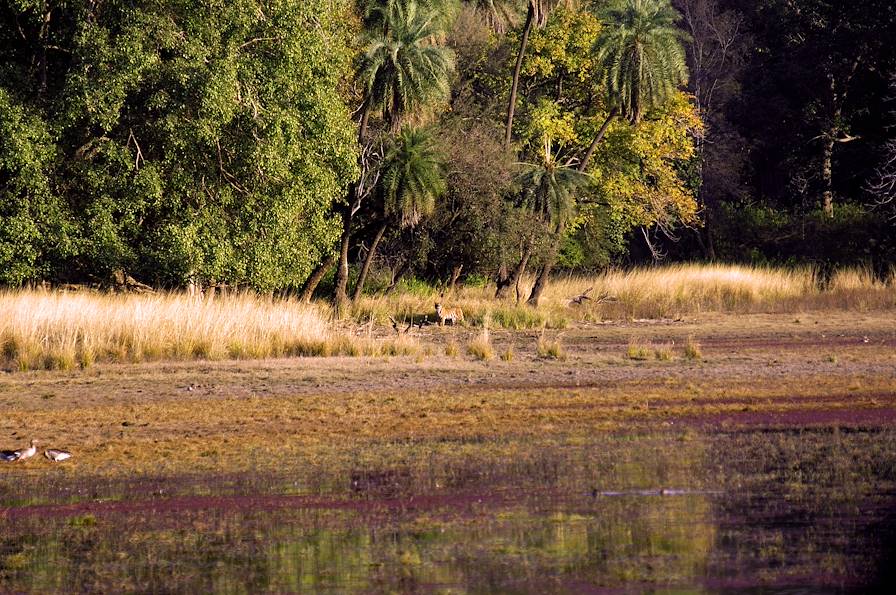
<point>548,190</point>
<point>642,59</point>
<point>537,13</point>
<point>413,178</point>
<point>403,70</point>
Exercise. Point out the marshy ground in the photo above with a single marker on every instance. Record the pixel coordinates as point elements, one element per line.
<point>707,452</point>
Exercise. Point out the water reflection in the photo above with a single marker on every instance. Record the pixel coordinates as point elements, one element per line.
<point>768,509</point>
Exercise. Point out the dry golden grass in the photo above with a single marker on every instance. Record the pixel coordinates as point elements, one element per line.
<point>660,292</point>
<point>663,351</point>
<point>550,348</point>
<point>481,346</point>
<point>508,354</point>
<point>638,351</point>
<point>692,349</point>
<point>451,348</point>
<point>47,330</point>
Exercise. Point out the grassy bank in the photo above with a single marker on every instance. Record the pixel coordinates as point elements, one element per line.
<point>49,330</point>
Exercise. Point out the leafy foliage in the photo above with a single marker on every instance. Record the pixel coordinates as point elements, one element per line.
<point>179,138</point>
<point>641,55</point>
<point>404,70</point>
<point>413,177</point>
<point>549,187</point>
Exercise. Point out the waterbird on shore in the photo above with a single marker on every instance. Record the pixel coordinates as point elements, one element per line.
<point>54,454</point>
<point>21,454</point>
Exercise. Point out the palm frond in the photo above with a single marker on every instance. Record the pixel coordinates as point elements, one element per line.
<point>641,53</point>
<point>404,68</point>
<point>413,177</point>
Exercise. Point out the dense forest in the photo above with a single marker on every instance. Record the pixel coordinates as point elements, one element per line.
<point>335,145</point>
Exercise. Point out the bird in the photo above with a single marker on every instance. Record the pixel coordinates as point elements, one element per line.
<point>56,455</point>
<point>8,455</point>
<point>21,454</point>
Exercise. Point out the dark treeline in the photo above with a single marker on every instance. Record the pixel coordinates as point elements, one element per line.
<point>799,102</point>
<point>333,145</point>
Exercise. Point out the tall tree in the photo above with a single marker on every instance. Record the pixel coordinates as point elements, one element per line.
<point>537,13</point>
<point>172,139</point>
<point>498,14</point>
<point>549,190</point>
<point>412,178</point>
<point>819,67</point>
<point>642,58</point>
<point>404,70</point>
<point>716,47</point>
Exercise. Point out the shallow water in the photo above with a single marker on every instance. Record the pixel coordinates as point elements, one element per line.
<point>784,511</point>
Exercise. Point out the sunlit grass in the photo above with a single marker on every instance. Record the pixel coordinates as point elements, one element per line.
<point>692,349</point>
<point>659,292</point>
<point>481,346</point>
<point>549,348</point>
<point>49,330</point>
<point>638,351</point>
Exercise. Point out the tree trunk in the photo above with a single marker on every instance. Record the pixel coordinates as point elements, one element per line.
<point>362,277</point>
<point>597,139</point>
<point>502,278</point>
<point>365,119</point>
<point>826,174</point>
<point>455,274</point>
<point>314,280</point>
<point>397,274</point>
<point>517,273</point>
<point>544,272</point>
<point>340,297</point>
<point>511,106</point>
<point>540,281</point>
<point>709,240</point>
<point>44,36</point>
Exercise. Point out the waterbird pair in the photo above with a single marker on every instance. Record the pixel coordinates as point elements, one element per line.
<point>54,454</point>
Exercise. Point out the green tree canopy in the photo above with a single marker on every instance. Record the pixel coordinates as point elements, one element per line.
<point>413,177</point>
<point>404,70</point>
<point>641,55</point>
<point>174,138</point>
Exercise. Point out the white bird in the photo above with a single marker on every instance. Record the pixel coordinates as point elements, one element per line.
<point>25,453</point>
<point>57,455</point>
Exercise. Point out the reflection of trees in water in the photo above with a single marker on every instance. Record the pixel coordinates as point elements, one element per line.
<point>789,503</point>
<point>811,502</point>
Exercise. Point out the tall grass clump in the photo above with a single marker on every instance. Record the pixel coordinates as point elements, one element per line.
<point>479,307</point>
<point>692,349</point>
<point>481,346</point>
<point>549,348</point>
<point>671,290</point>
<point>50,330</point>
<point>638,351</point>
<point>655,292</point>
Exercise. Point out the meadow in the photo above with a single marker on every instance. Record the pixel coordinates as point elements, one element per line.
<point>699,429</point>
<point>43,329</point>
